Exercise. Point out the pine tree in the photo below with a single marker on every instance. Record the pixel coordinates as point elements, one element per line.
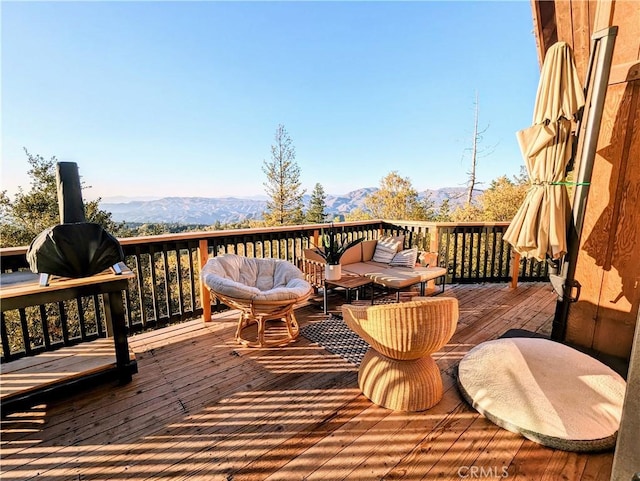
<point>444,213</point>
<point>317,212</point>
<point>284,206</point>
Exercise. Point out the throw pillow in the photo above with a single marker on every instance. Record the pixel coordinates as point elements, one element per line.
<point>397,238</point>
<point>405,258</point>
<point>385,250</point>
<point>426,259</point>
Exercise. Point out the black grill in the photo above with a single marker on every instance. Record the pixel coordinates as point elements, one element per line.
<point>73,248</point>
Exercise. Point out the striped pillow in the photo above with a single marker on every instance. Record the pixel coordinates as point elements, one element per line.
<point>385,250</point>
<point>405,258</point>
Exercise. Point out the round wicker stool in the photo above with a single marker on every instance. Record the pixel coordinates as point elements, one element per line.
<point>398,371</point>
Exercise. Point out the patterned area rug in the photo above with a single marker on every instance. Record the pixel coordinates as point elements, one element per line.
<point>334,335</point>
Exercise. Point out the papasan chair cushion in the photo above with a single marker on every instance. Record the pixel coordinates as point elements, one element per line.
<point>262,289</point>
<point>254,279</point>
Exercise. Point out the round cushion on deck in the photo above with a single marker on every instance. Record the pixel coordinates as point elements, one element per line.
<point>546,391</point>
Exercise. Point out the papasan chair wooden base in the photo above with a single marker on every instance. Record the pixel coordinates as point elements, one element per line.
<point>261,313</point>
<point>265,292</point>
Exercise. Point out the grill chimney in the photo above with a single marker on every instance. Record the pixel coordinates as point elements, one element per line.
<point>70,202</point>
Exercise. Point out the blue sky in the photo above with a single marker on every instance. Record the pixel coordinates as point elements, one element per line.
<point>183,98</point>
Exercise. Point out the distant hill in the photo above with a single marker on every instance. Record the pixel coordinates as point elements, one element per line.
<point>208,210</point>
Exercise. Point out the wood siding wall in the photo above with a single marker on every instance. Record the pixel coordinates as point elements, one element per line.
<point>608,266</point>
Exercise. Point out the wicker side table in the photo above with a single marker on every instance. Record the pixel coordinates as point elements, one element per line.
<point>398,371</point>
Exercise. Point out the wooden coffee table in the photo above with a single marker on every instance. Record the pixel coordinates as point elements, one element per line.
<point>348,282</point>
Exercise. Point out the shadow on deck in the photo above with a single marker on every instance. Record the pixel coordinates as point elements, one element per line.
<point>202,407</point>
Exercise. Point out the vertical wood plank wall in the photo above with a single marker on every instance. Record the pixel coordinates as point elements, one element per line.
<point>608,266</point>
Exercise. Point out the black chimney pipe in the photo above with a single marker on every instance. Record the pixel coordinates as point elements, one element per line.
<point>70,202</point>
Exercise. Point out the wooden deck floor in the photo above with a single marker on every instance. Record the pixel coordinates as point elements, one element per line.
<point>201,407</point>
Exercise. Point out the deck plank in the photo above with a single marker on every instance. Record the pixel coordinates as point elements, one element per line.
<point>203,407</point>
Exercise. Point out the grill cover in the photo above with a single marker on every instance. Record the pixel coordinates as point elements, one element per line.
<point>74,250</point>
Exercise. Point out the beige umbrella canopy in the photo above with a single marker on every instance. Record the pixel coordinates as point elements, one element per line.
<point>539,227</point>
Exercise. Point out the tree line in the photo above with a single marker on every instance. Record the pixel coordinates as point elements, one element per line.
<point>31,211</point>
<point>396,198</point>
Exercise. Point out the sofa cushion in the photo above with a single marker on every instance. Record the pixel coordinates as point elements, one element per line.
<point>394,277</point>
<point>396,238</point>
<point>424,273</point>
<point>352,254</point>
<point>312,255</point>
<point>386,248</point>
<point>254,279</point>
<point>368,248</point>
<point>363,268</point>
<point>426,259</point>
<point>405,258</point>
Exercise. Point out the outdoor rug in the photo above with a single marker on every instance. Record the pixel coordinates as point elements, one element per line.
<point>334,335</point>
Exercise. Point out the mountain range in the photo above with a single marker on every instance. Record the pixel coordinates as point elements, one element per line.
<point>208,210</point>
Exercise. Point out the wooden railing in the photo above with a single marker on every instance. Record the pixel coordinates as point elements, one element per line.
<point>167,267</point>
<point>471,251</point>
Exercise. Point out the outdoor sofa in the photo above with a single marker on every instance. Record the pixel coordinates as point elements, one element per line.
<point>364,259</point>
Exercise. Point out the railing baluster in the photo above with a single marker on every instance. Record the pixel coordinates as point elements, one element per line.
<point>6,349</point>
<point>140,282</point>
<point>62,312</point>
<point>485,250</point>
<point>455,255</point>
<point>191,251</point>
<point>25,332</point>
<point>494,242</point>
<point>44,320</point>
<point>466,257</point>
<point>180,306</point>
<point>501,273</point>
<point>473,260</point>
<point>96,309</point>
<point>447,233</point>
<point>153,285</point>
<point>166,283</point>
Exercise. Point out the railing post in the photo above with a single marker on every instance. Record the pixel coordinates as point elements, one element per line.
<point>434,247</point>
<point>515,269</point>
<point>205,295</point>
<point>434,240</point>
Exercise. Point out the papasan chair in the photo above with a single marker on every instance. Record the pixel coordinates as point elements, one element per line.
<point>263,290</point>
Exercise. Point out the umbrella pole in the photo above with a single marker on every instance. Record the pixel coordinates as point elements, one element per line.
<point>565,284</point>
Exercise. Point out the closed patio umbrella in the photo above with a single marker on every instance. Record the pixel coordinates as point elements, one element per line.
<point>539,227</point>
